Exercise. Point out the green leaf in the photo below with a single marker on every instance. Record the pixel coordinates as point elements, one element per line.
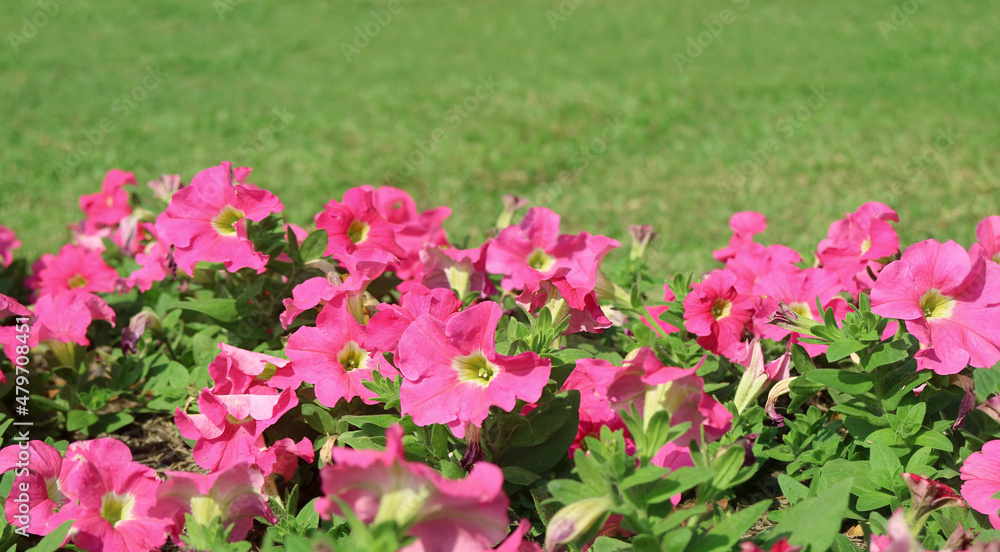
<point>801,360</point>
<point>815,521</point>
<point>843,348</point>
<point>221,309</point>
<point>730,530</point>
<point>794,491</point>
<point>934,440</point>
<point>79,419</point>
<point>885,354</point>
<point>383,421</point>
<point>543,456</point>
<point>314,246</point>
<point>883,459</point>
<point>605,544</point>
<point>873,500</point>
<point>852,383</point>
<point>111,422</point>
<point>677,482</point>
<point>519,476</point>
<point>646,474</point>
<point>53,541</point>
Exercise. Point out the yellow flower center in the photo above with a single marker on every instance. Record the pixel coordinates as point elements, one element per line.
<point>475,368</point>
<point>205,510</point>
<point>866,245</point>
<point>225,222</point>
<point>357,232</point>
<point>540,260</point>
<point>801,309</point>
<point>721,308</point>
<point>936,305</point>
<point>116,507</point>
<point>352,356</point>
<point>77,281</point>
<point>403,505</point>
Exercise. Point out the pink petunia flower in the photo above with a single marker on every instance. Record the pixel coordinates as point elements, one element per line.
<point>413,230</point>
<point>720,315</point>
<point>798,290</point>
<point>154,258</point>
<point>363,266</point>
<point>76,268</point>
<point>462,270</point>
<point>534,250</point>
<point>981,481</point>
<point>110,499</point>
<point>988,239</point>
<point>387,326</point>
<point>206,221</point>
<point>605,390</point>
<point>578,306</point>
<point>445,515</point>
<point>335,357</point>
<point>231,497</point>
<point>355,223</point>
<point>110,205</point>
<point>856,244</point>
<point>453,374</point>
<point>39,484</point>
<point>65,316</point>
<point>8,243</point>
<point>745,225</point>
<point>755,261</point>
<point>10,338</point>
<point>950,302</point>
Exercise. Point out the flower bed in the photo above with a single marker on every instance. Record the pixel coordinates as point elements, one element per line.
<point>366,384</point>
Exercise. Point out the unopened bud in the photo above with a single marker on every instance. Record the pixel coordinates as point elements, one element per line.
<point>511,205</point>
<point>641,236</point>
<point>574,520</point>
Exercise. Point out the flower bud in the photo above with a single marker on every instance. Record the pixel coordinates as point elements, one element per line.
<point>574,520</point>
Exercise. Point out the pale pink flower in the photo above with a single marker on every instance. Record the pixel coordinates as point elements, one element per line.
<point>453,374</point>
<point>334,356</point>
<point>8,243</point>
<point>949,301</point>
<point>76,268</point>
<point>413,230</point>
<point>206,221</point>
<point>462,270</point>
<point>445,515</point>
<point>981,481</point>
<point>231,497</point>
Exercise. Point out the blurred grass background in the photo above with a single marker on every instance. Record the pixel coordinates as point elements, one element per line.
<point>893,89</point>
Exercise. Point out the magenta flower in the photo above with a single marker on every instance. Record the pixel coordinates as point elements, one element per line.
<point>110,499</point>
<point>334,356</point>
<point>109,206</point>
<point>453,374</point>
<point>928,495</point>
<point>355,223</point>
<point>857,243</point>
<point>652,317</point>
<point>363,266</point>
<point>988,239</point>
<point>949,301</point>
<point>445,515</point>
<point>981,481</point>
<point>719,315</point>
<point>206,221</point>
<point>413,230</point>
<point>154,258</point>
<point>565,302</point>
<point>745,225</point>
<point>10,338</point>
<point>8,243</point>
<point>387,326</point>
<point>754,261</point>
<point>76,268</point>
<point>231,497</point>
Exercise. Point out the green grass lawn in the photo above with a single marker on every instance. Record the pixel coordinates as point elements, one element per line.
<point>749,93</point>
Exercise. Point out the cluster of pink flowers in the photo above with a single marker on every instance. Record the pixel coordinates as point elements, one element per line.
<point>116,504</point>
